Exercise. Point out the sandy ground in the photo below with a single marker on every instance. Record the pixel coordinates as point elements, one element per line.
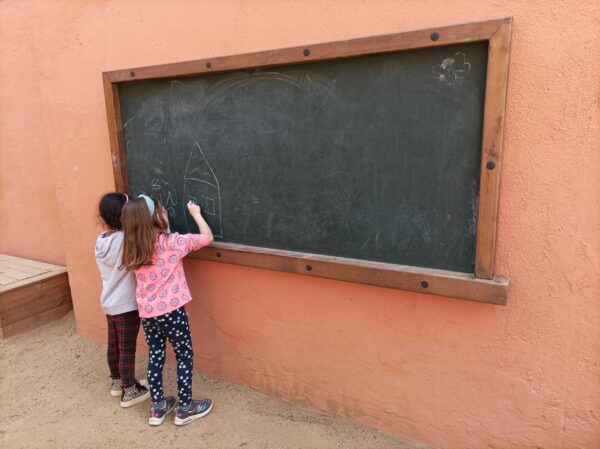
<point>54,393</point>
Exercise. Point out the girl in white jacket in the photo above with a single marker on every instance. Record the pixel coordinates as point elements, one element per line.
<point>119,303</point>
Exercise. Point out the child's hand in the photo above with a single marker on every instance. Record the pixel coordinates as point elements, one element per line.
<point>193,209</point>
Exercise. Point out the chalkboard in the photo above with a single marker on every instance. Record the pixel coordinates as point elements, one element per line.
<point>373,157</point>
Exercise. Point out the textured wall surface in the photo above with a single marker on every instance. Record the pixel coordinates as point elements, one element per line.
<point>30,224</point>
<point>457,374</point>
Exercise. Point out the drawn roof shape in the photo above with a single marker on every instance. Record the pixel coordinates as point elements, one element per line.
<point>198,168</point>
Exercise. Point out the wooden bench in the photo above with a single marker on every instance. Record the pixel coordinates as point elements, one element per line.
<point>31,294</point>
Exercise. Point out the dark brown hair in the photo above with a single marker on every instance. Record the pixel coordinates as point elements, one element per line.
<point>141,231</point>
<point>109,209</point>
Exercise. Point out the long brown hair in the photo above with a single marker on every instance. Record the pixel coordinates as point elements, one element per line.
<point>141,231</point>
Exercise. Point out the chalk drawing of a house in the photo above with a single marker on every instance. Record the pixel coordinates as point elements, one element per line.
<point>200,185</point>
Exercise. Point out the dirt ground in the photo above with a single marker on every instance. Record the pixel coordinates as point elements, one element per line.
<point>54,393</point>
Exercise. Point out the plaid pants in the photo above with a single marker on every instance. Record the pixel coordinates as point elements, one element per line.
<point>122,336</point>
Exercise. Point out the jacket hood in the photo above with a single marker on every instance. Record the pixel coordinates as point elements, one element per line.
<point>109,247</point>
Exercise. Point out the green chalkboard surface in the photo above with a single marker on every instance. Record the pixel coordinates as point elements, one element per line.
<point>374,158</point>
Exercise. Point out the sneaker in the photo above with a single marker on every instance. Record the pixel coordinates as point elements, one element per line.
<point>116,388</point>
<point>197,409</point>
<point>158,414</point>
<point>134,395</point>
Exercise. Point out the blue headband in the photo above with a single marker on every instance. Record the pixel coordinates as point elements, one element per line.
<point>149,203</point>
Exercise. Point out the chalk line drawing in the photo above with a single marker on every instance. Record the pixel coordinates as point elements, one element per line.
<point>452,70</point>
<point>156,119</point>
<point>305,82</point>
<point>200,185</point>
<point>130,119</point>
<point>166,194</point>
<point>324,92</point>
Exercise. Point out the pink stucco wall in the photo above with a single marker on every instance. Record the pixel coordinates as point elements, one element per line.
<point>453,373</point>
<point>27,186</point>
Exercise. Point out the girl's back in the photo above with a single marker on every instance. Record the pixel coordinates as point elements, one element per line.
<point>118,284</point>
<point>161,286</point>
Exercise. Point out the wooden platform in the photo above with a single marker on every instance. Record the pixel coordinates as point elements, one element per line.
<point>31,294</point>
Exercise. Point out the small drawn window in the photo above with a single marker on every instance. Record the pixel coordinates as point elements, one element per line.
<point>206,204</point>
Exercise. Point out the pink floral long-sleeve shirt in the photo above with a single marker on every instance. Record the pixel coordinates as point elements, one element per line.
<point>162,287</point>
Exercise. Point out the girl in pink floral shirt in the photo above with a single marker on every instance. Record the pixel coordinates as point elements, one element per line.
<point>161,287</point>
<point>155,256</point>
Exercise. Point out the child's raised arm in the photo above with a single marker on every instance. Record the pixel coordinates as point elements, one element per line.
<point>194,211</point>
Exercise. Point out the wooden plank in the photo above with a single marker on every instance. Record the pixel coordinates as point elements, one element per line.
<point>20,275</point>
<point>421,280</point>
<point>24,272</point>
<point>60,282</point>
<point>5,267</point>
<point>6,259</point>
<point>33,298</point>
<point>36,305</point>
<point>4,280</point>
<point>115,131</point>
<point>26,282</point>
<point>448,35</point>
<point>19,296</point>
<point>491,155</point>
<point>9,265</point>
<point>35,321</point>
<point>55,284</point>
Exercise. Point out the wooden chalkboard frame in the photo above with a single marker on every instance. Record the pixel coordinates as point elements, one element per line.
<point>482,286</point>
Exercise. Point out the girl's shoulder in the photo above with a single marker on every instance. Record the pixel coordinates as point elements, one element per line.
<point>170,240</point>
<point>174,240</point>
<point>109,247</point>
<point>119,235</point>
<point>109,239</point>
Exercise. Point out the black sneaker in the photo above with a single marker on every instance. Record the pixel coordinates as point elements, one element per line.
<point>134,395</point>
<point>158,413</point>
<point>115,388</point>
<point>197,409</point>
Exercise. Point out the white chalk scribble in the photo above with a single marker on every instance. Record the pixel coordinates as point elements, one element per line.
<point>452,70</point>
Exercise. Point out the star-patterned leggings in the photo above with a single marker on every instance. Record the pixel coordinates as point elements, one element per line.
<point>175,327</point>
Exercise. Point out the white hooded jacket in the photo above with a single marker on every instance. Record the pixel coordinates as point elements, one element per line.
<point>118,284</point>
